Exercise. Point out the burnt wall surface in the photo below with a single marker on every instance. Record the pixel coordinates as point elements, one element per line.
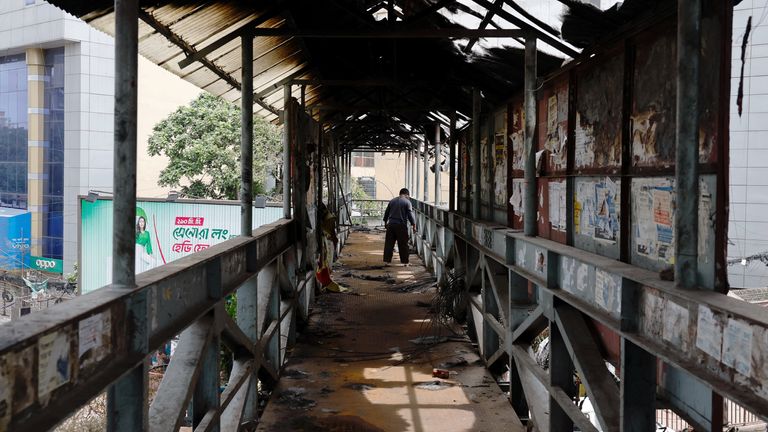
<point>605,143</point>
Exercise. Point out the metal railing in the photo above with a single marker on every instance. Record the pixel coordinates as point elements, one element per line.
<point>368,212</point>
<point>52,363</point>
<point>520,286</point>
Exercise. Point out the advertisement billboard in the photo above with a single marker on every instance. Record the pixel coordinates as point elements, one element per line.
<point>165,231</point>
<point>15,227</point>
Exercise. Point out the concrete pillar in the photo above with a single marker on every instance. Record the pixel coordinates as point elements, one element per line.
<point>36,147</point>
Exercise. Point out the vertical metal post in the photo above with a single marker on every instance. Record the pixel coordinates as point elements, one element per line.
<point>438,150</point>
<point>560,375</point>
<point>687,150</point>
<point>475,163</point>
<point>426,168</point>
<point>127,398</point>
<point>417,179</point>
<point>452,141</point>
<point>246,137</point>
<point>287,127</point>
<point>530,146</point>
<point>407,171</point>
<point>638,388</point>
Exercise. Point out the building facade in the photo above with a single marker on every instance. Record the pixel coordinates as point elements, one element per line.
<point>56,120</point>
<point>748,207</point>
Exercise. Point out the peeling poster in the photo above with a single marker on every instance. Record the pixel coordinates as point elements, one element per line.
<point>676,323</point>
<point>709,332</point>
<point>737,346</point>
<point>557,207</point>
<point>93,336</point>
<point>653,201</point>
<point>584,143</point>
<point>607,287</point>
<point>517,136</point>
<point>500,171</point>
<point>596,212</point>
<point>53,362</point>
<point>516,200</point>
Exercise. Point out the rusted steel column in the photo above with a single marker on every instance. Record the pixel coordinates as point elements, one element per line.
<point>417,179</point>
<point>530,147</point>
<point>246,138</point>
<point>127,397</point>
<point>687,138</point>
<point>437,164</point>
<point>475,163</point>
<point>452,141</point>
<point>287,126</point>
<point>426,168</point>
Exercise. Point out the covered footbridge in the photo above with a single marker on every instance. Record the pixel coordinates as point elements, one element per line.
<point>587,202</point>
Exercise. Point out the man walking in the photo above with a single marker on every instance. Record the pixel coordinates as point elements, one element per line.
<point>396,217</point>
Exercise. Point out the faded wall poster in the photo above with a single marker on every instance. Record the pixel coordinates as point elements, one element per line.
<point>653,210</point>
<point>500,170</point>
<point>596,209</point>
<point>557,207</point>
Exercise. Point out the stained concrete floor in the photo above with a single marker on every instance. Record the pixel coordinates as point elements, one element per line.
<point>354,368</point>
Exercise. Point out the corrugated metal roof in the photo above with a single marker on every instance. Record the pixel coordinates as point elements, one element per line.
<point>172,30</point>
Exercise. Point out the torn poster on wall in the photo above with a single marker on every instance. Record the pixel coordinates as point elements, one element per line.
<point>500,170</point>
<point>596,209</point>
<point>653,200</point>
<point>557,128</point>
<point>557,205</point>
<point>644,124</point>
<point>516,200</point>
<point>517,136</point>
<point>584,143</point>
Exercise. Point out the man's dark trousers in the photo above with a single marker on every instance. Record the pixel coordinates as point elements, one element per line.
<point>399,233</point>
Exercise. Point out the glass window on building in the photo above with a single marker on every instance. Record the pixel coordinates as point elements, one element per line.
<point>13,131</point>
<point>53,192</point>
<point>362,159</point>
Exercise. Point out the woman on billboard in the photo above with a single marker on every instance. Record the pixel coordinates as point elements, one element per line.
<point>144,258</point>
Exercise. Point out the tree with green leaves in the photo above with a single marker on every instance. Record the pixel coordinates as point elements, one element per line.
<point>202,141</point>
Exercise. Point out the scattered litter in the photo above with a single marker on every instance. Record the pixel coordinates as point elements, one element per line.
<point>326,390</point>
<point>330,411</point>
<point>325,374</point>
<point>394,349</point>
<point>295,374</point>
<point>456,362</point>
<point>359,386</point>
<point>441,373</point>
<point>294,398</point>
<point>336,288</point>
<point>434,385</point>
<point>378,278</point>
<point>429,340</point>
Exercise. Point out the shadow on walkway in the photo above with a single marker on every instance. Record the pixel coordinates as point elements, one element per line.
<point>355,367</point>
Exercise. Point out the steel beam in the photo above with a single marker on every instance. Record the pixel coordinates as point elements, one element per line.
<point>425,155</point>
<point>453,141</point>
<point>687,148</point>
<point>127,398</point>
<point>475,162</point>
<point>287,128</point>
<point>246,138</point>
<point>417,179</point>
<point>438,151</point>
<point>529,94</point>
<point>395,33</point>
<point>638,388</point>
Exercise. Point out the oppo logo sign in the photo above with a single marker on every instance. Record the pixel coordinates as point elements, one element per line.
<point>45,264</point>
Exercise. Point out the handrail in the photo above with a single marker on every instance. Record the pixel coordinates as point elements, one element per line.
<point>52,363</point>
<point>720,340</point>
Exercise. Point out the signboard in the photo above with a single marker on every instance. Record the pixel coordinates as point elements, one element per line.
<point>50,265</point>
<point>165,231</point>
<point>15,226</point>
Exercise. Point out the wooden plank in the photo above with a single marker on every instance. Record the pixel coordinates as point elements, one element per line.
<point>600,384</point>
<point>167,410</point>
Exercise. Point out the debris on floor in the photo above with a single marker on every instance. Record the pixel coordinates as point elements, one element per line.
<point>295,374</point>
<point>456,362</point>
<point>428,340</point>
<point>359,386</point>
<point>294,398</point>
<point>434,385</point>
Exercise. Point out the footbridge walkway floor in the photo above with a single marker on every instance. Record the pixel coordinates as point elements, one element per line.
<point>361,363</point>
